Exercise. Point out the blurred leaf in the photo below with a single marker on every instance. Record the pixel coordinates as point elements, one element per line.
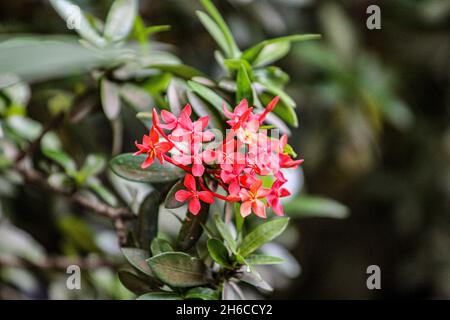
<point>271,50</point>
<point>225,233</point>
<point>128,167</point>
<point>159,246</point>
<point>107,196</point>
<point>262,234</point>
<point>176,96</point>
<point>179,70</point>
<point>109,93</point>
<point>201,108</point>
<point>61,158</point>
<point>93,165</point>
<point>78,232</point>
<point>263,259</point>
<point>137,258</point>
<point>314,206</point>
<point>24,127</point>
<point>202,294</point>
<point>72,15</point>
<point>231,291</point>
<point>218,252</point>
<point>136,97</point>
<point>171,202</point>
<point>178,270</point>
<point>160,296</point>
<point>148,219</point>
<point>214,13</point>
<point>133,282</point>
<point>16,242</point>
<point>120,19</point>
<point>215,32</point>
<point>244,86</point>
<point>209,95</point>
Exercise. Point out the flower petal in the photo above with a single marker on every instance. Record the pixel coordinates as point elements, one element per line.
<point>259,209</point>
<point>194,206</point>
<point>246,208</point>
<point>206,196</point>
<point>182,195</point>
<point>189,182</point>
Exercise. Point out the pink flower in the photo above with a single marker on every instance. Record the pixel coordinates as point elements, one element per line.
<point>250,200</point>
<point>239,114</point>
<point>153,148</point>
<point>273,198</point>
<point>192,131</point>
<point>171,121</point>
<point>194,195</point>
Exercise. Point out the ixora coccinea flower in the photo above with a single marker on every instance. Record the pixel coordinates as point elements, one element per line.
<point>247,165</point>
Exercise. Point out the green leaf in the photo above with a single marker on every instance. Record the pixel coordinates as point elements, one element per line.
<point>202,293</point>
<point>61,158</point>
<point>73,15</point>
<point>283,110</point>
<point>191,229</point>
<point>262,234</point>
<point>209,95</point>
<point>109,94</point>
<point>306,206</point>
<point>202,108</point>
<point>159,246</point>
<point>98,188</point>
<point>78,233</point>
<point>120,19</point>
<point>171,202</point>
<point>179,70</point>
<point>215,32</point>
<point>137,258</point>
<point>128,167</point>
<point>244,86</point>
<point>214,13</point>
<point>274,48</point>
<point>225,233</point>
<point>178,270</point>
<point>218,252</point>
<point>133,282</point>
<point>160,296</point>
<point>263,259</point>
<point>148,219</point>
<point>93,165</point>
<point>24,127</point>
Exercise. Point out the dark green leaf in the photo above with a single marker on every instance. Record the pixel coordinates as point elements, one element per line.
<point>218,252</point>
<point>160,296</point>
<point>244,86</point>
<point>120,19</point>
<point>179,70</point>
<point>159,246</point>
<point>148,219</point>
<point>191,229</point>
<point>215,32</point>
<point>137,258</point>
<point>128,167</point>
<point>262,234</point>
<point>178,270</point>
<point>313,206</point>
<point>171,202</point>
<point>133,282</point>
<point>202,293</point>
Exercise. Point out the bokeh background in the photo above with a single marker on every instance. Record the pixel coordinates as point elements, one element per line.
<point>374,132</point>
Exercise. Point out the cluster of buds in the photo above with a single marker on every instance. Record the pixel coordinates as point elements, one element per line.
<point>238,164</point>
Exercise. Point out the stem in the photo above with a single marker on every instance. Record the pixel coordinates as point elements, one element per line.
<point>182,166</point>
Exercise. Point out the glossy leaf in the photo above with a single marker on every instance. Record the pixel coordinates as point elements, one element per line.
<point>137,258</point>
<point>178,270</point>
<point>160,296</point>
<point>215,32</point>
<point>171,202</point>
<point>209,95</point>
<point>148,219</point>
<point>133,282</point>
<point>202,293</point>
<point>244,86</point>
<point>218,252</point>
<point>263,259</point>
<point>159,246</point>
<point>262,234</point>
<point>128,167</point>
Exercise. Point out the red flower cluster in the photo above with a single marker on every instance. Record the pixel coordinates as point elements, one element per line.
<point>237,164</point>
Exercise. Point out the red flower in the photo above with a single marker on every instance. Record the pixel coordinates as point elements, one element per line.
<point>250,200</point>
<point>153,148</point>
<point>171,120</point>
<point>193,195</point>
<point>273,198</point>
